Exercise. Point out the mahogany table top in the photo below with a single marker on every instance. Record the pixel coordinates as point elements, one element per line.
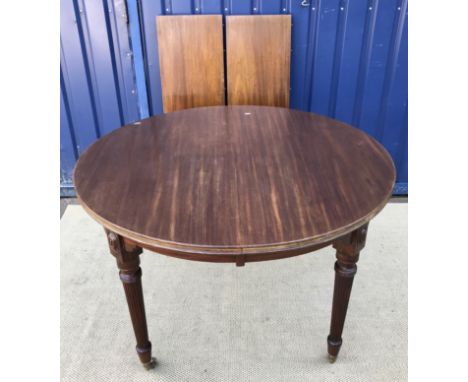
<point>234,180</point>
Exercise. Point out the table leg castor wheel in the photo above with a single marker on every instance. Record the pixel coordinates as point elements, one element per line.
<point>151,364</point>
<point>332,358</point>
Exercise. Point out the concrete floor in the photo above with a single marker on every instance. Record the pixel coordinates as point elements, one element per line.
<point>266,321</point>
<point>64,202</point>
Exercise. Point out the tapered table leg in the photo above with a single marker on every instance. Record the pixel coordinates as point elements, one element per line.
<point>128,262</point>
<point>347,254</point>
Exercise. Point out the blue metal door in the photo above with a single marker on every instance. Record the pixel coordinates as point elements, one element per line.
<point>348,61</point>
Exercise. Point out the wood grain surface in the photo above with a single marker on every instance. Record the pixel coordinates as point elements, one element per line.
<point>191,61</point>
<point>258,59</point>
<point>234,180</point>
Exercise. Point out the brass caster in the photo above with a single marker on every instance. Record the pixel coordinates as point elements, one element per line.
<point>151,364</point>
<point>332,358</point>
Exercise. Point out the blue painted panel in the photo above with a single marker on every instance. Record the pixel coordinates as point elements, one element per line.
<point>136,41</point>
<point>68,154</point>
<point>74,73</point>
<point>271,7</point>
<point>211,6</point>
<point>364,60</point>
<point>180,7</point>
<point>108,107</point>
<point>377,70</point>
<point>303,45</point>
<point>338,55</point>
<point>348,61</point>
<point>148,11</point>
<point>394,100</point>
<point>241,7</point>
<point>329,11</point>
<point>122,58</point>
<point>97,81</point>
<point>401,161</point>
<point>401,188</point>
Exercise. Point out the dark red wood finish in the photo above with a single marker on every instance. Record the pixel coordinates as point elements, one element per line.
<point>128,262</point>
<point>234,180</point>
<point>347,254</point>
<point>235,184</point>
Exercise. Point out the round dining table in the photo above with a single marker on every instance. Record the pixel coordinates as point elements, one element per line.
<point>234,184</point>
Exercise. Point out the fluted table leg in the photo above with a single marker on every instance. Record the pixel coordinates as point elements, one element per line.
<point>128,262</point>
<point>347,254</point>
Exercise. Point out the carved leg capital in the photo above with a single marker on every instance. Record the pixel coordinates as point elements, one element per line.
<point>126,254</point>
<point>348,246</point>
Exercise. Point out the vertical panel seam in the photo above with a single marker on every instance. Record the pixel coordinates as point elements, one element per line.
<point>313,32</point>
<point>116,38</point>
<point>113,62</point>
<point>403,142</point>
<point>304,102</point>
<point>66,85</point>
<point>135,44</point>
<point>284,6</point>
<point>87,68</point>
<point>197,6</point>
<point>167,6</point>
<point>255,6</point>
<point>364,61</point>
<point>144,51</point>
<point>92,69</point>
<point>71,127</point>
<point>225,66</point>
<point>394,48</point>
<point>337,57</point>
